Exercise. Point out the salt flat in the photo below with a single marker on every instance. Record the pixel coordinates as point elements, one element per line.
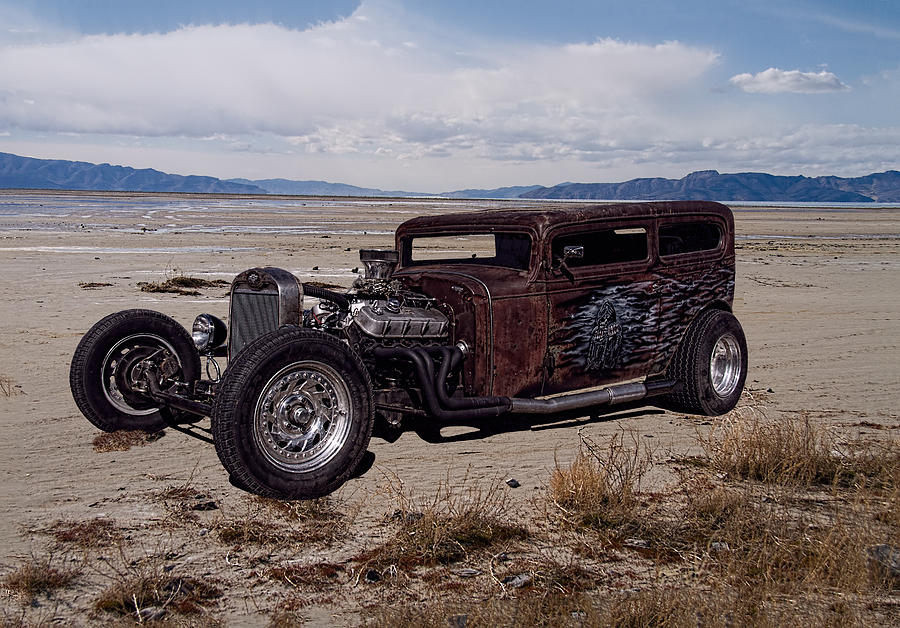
<point>818,294</point>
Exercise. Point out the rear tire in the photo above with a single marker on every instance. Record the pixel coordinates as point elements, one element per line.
<point>710,364</point>
<point>102,363</point>
<point>293,414</point>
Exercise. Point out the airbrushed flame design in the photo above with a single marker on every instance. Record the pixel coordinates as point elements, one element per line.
<point>624,326</point>
<point>608,330</point>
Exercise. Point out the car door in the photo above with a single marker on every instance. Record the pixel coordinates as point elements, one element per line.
<point>602,308</point>
<point>695,271</point>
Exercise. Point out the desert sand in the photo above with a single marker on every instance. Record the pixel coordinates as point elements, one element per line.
<point>818,294</point>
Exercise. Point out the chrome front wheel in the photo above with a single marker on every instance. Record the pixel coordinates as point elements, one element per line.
<point>293,414</point>
<point>303,416</point>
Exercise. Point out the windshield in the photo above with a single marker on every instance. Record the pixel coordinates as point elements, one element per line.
<point>510,250</point>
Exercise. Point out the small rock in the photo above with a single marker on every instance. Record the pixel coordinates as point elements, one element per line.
<point>408,517</point>
<point>458,621</point>
<point>150,613</point>
<point>639,543</point>
<point>210,505</point>
<point>203,532</point>
<point>886,559</point>
<point>513,483</point>
<point>769,390</point>
<point>467,572</point>
<point>517,581</point>
<point>719,546</point>
<point>372,576</point>
<point>315,268</point>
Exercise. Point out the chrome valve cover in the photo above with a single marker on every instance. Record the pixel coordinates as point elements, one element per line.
<point>394,321</point>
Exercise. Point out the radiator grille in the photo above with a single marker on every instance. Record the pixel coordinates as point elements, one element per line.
<point>252,315</point>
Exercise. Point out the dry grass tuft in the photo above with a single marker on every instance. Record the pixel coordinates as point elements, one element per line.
<point>285,618</point>
<point>446,529</point>
<point>315,577</point>
<point>37,576</point>
<point>123,440</point>
<point>599,489</point>
<point>153,596</point>
<point>99,532</point>
<point>182,285</point>
<point>796,452</point>
<point>272,523</point>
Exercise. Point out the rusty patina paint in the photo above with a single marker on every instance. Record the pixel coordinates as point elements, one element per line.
<point>541,330</point>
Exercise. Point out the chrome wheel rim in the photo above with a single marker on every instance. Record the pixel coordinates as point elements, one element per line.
<point>302,417</point>
<point>116,357</point>
<point>725,365</point>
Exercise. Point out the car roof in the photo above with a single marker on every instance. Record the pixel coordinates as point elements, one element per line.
<point>540,219</point>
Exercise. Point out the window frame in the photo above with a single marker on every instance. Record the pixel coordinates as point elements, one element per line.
<point>407,249</point>
<point>610,268</point>
<point>692,256</point>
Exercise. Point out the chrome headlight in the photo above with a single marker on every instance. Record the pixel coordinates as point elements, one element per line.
<point>208,332</point>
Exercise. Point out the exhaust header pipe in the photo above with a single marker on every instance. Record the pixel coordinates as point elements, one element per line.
<point>442,407</point>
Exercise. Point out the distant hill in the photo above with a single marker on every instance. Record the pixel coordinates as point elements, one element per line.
<point>745,186</point>
<point>510,192</point>
<point>56,174</point>
<point>319,188</point>
<point>53,174</point>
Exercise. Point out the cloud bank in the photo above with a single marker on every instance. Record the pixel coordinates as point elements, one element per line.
<point>775,81</point>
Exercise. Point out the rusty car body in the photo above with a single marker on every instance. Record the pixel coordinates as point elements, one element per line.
<point>473,316</point>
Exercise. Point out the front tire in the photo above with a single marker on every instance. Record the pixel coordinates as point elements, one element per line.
<point>711,365</point>
<point>104,363</point>
<point>293,415</point>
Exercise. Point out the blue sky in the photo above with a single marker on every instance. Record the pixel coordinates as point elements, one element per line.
<point>432,96</point>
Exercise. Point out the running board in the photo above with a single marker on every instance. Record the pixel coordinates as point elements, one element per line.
<point>614,395</point>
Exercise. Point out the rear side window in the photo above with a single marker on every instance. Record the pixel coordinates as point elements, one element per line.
<point>688,237</point>
<point>605,246</point>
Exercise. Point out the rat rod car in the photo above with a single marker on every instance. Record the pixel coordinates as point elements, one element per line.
<point>474,315</point>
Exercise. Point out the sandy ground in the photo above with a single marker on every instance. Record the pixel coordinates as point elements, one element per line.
<point>818,294</point>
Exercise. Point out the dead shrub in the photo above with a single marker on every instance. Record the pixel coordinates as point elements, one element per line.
<point>794,451</point>
<point>316,577</point>
<point>123,440</point>
<point>599,489</point>
<point>8,387</point>
<point>273,522</point>
<point>455,522</point>
<point>151,596</point>
<point>773,547</point>
<point>181,285</point>
<point>525,610</point>
<point>38,576</point>
<point>98,532</point>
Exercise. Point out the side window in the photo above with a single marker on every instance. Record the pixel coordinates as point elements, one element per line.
<point>605,246</point>
<point>688,237</point>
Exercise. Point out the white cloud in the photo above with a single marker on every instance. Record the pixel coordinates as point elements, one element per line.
<point>361,84</point>
<point>775,81</point>
<point>385,99</point>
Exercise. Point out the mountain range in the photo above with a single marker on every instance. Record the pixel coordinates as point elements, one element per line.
<point>53,174</point>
